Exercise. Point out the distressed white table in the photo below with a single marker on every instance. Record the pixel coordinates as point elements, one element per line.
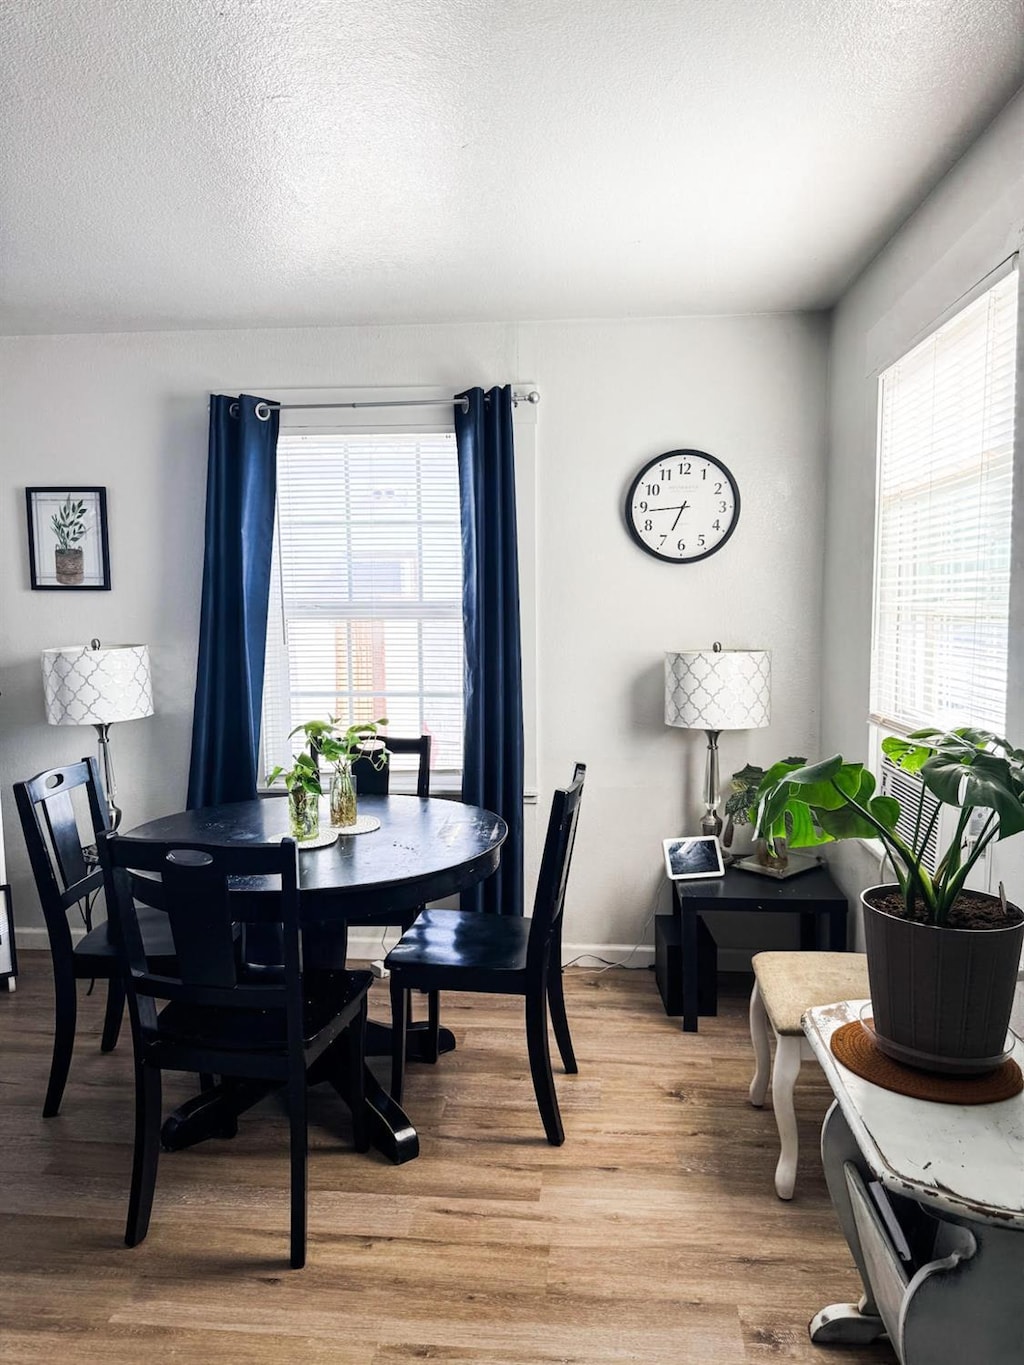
<point>944,1278</point>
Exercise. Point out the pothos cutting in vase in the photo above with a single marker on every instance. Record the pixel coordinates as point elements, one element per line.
<point>325,739</point>
<point>340,749</point>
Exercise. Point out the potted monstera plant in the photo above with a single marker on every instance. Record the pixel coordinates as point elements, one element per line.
<point>942,960</point>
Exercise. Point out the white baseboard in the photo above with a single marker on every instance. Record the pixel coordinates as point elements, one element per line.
<point>31,938</point>
<point>365,947</point>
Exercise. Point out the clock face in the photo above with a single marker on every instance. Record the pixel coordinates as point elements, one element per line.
<point>683,506</point>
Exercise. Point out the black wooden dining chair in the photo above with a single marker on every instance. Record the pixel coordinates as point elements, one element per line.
<point>303,1026</point>
<point>68,882</point>
<point>500,955</point>
<point>374,779</point>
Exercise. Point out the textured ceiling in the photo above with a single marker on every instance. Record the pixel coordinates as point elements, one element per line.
<point>203,163</point>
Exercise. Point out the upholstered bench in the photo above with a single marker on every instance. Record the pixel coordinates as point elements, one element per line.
<point>786,984</point>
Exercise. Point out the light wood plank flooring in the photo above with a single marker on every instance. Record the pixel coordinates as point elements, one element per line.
<point>653,1235</point>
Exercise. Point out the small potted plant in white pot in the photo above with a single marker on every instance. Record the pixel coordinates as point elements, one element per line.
<point>740,813</point>
<point>743,788</point>
<point>942,960</point>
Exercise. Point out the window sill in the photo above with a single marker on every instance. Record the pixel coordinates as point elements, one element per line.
<point>442,792</point>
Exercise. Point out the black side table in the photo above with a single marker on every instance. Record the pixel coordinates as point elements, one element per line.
<point>812,895</point>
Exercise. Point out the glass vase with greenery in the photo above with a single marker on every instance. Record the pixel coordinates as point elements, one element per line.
<point>302,781</point>
<point>339,748</point>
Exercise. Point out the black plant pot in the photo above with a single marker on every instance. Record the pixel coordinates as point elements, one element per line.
<point>941,998</point>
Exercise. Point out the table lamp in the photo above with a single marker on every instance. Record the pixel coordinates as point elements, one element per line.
<point>714,690</point>
<point>97,686</point>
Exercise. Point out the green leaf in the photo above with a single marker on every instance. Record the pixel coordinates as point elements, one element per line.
<point>778,771</point>
<point>803,832</point>
<point>909,757</point>
<point>816,772</point>
<point>826,786</point>
<point>984,781</point>
<point>847,823</point>
<point>885,809</point>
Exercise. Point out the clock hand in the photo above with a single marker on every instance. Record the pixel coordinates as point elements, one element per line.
<point>678,508</point>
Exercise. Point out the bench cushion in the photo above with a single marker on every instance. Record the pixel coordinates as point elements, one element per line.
<point>790,983</point>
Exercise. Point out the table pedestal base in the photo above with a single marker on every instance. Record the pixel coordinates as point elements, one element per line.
<point>214,1112</point>
<point>417,1041</point>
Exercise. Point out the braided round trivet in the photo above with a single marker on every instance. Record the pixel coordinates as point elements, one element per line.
<point>856,1049</point>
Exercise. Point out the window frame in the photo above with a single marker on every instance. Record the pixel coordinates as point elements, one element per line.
<point>444,782</point>
<point>880,725</point>
<point>887,343</point>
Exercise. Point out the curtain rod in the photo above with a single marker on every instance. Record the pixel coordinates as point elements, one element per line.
<point>263,410</point>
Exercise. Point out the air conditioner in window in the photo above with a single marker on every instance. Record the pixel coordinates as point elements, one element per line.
<point>906,788</point>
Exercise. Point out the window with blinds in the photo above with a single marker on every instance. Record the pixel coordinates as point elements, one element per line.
<point>942,544</point>
<point>366,592</point>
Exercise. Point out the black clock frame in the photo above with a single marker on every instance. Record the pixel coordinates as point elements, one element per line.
<point>673,455</point>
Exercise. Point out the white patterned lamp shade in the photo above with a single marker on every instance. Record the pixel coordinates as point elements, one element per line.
<point>97,685</point>
<point>718,689</point>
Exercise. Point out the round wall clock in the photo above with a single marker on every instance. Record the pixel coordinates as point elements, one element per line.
<point>683,506</point>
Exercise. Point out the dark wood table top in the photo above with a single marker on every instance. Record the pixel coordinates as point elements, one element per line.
<point>742,890</point>
<point>426,848</point>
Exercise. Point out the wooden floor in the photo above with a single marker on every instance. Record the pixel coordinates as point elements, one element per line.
<point>653,1235</point>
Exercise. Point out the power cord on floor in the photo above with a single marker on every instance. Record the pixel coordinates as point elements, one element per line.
<point>608,965</point>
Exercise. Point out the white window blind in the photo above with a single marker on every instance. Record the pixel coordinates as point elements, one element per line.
<point>366,594</point>
<point>942,545</point>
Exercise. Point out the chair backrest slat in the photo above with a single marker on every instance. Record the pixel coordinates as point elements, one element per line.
<point>376,781</point>
<point>201,921</point>
<point>202,910</point>
<point>554,867</point>
<point>54,843</point>
<point>59,815</point>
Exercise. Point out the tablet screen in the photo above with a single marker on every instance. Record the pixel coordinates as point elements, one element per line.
<point>700,856</point>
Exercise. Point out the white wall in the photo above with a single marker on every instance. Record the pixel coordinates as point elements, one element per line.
<point>130,411</point>
<point>968,225</point>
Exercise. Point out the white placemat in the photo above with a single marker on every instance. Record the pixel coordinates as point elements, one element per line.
<point>322,840</point>
<point>365,824</point>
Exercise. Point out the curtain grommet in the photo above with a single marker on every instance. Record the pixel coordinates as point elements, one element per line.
<point>262,412</point>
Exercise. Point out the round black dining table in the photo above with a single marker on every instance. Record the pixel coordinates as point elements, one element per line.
<point>426,848</point>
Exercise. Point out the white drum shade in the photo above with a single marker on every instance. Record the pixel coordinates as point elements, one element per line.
<point>86,686</point>
<point>725,689</point>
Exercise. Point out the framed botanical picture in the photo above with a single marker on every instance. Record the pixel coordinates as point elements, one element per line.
<point>67,537</point>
